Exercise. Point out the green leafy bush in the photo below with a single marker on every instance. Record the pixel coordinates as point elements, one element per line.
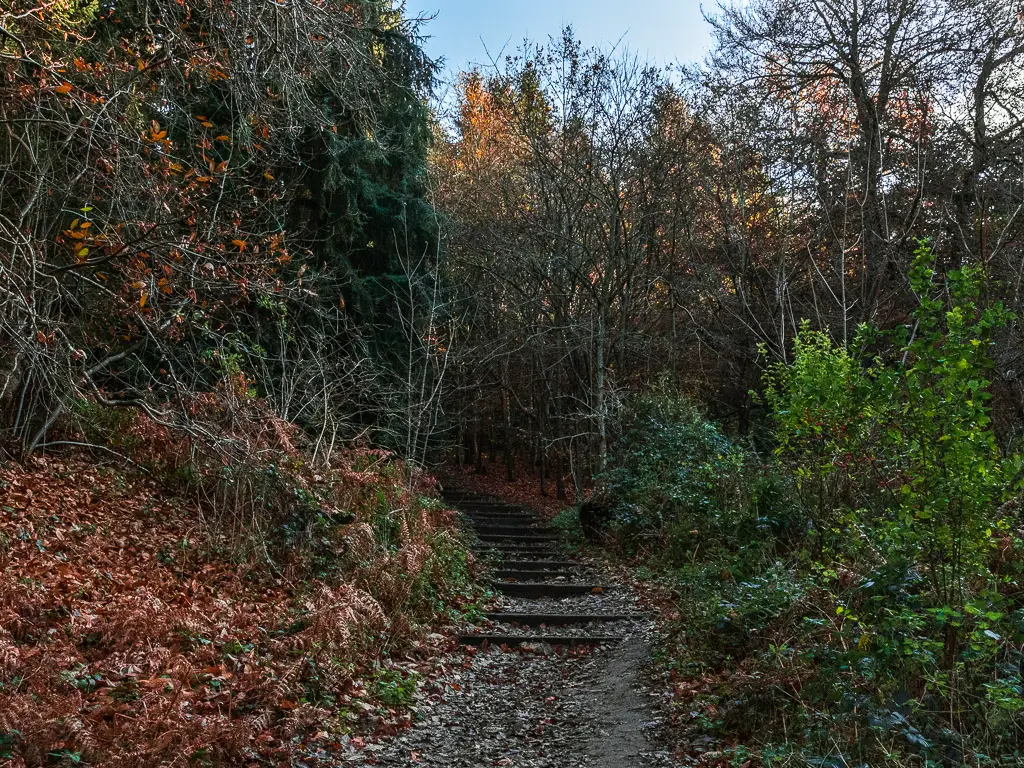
<point>394,688</point>
<point>570,530</point>
<point>726,619</point>
<point>677,483</point>
<point>826,408</point>
<point>856,601</point>
<point>899,449</point>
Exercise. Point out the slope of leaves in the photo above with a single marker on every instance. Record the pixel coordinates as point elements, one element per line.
<point>125,640</point>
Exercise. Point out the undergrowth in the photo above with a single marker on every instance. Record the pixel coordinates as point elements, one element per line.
<point>198,610</point>
<point>849,594</point>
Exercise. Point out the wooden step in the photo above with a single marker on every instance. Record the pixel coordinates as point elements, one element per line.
<point>506,552</point>
<point>554,640</point>
<point>503,519</point>
<point>538,565</point>
<point>517,538</point>
<point>505,574</point>
<point>534,589</point>
<point>480,509</point>
<point>524,548</point>
<point>511,530</point>
<point>557,619</point>
<point>482,501</point>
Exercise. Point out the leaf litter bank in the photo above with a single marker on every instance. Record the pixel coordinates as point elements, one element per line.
<point>128,637</point>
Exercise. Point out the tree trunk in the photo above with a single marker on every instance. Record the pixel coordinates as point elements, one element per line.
<point>599,397</point>
<point>541,453</point>
<point>510,456</point>
<point>478,450</point>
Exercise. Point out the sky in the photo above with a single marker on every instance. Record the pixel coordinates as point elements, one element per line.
<point>662,31</point>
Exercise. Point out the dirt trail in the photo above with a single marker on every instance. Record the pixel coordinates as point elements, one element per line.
<point>554,679</point>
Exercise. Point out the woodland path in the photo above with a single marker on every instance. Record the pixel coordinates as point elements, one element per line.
<point>555,677</point>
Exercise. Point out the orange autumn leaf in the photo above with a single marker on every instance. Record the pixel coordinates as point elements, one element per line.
<point>240,244</point>
<point>65,88</point>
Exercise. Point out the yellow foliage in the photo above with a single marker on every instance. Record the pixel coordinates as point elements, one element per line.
<point>66,15</point>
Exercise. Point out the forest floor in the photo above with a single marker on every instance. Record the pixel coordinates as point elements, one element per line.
<point>101,580</point>
<point>130,636</point>
<point>542,704</point>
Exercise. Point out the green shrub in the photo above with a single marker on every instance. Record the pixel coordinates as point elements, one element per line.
<point>954,478</point>
<point>898,450</point>
<point>394,688</point>
<point>567,523</point>
<point>445,580</point>
<point>828,409</point>
<point>677,482</point>
<point>846,604</point>
<point>726,619</point>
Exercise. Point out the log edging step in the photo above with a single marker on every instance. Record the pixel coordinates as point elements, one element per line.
<point>552,640</point>
<point>516,538</point>
<point>538,565</point>
<point>558,619</point>
<point>514,531</point>
<point>503,520</point>
<point>507,574</point>
<point>534,552</point>
<point>545,589</point>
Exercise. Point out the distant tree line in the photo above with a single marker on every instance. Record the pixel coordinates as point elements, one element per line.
<point>610,224</point>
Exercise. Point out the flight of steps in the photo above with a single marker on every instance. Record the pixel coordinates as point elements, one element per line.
<point>547,598</point>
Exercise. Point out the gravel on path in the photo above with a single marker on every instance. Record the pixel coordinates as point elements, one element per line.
<point>538,706</point>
